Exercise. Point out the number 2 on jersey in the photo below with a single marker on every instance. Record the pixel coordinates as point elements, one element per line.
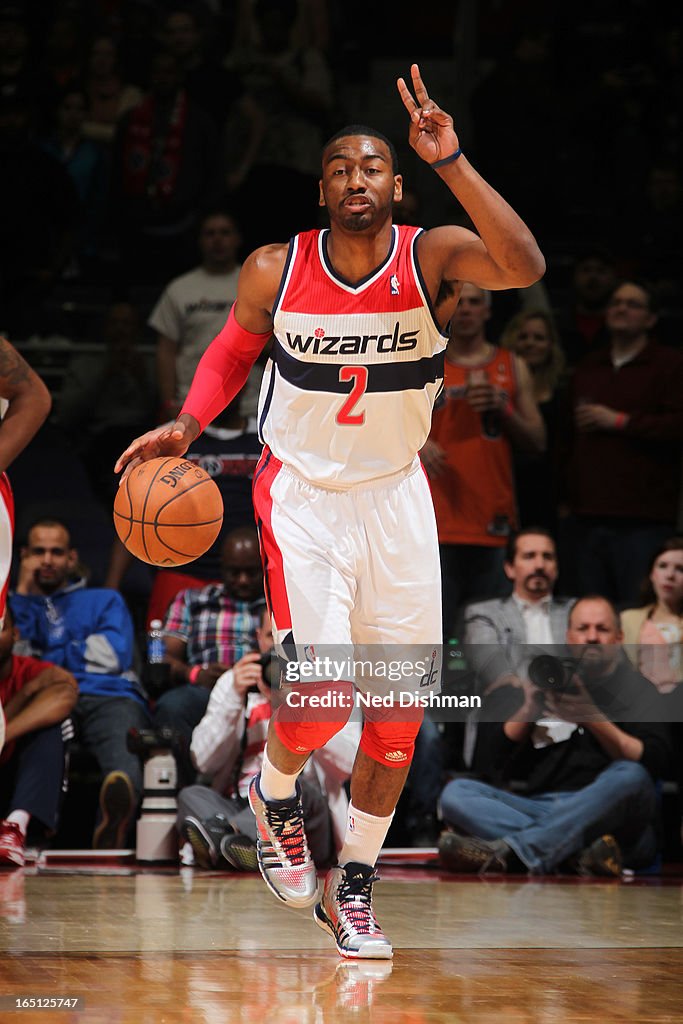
<point>359,376</point>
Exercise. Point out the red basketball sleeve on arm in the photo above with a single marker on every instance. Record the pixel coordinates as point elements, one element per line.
<point>223,370</point>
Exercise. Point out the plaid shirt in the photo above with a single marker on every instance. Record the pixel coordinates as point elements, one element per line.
<point>213,625</point>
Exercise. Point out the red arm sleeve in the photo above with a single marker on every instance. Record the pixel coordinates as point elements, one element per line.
<point>223,370</point>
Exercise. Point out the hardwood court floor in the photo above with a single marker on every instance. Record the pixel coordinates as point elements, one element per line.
<point>162,946</point>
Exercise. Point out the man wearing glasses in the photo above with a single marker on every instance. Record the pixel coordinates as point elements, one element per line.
<point>625,457</point>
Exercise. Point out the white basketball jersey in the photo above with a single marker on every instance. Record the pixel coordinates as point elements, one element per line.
<point>348,392</point>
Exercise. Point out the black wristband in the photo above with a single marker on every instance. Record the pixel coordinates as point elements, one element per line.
<point>447,159</point>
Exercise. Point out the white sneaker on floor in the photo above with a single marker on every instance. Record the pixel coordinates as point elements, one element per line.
<point>346,912</point>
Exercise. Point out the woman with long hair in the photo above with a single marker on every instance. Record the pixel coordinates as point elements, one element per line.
<point>653,633</point>
<point>532,335</point>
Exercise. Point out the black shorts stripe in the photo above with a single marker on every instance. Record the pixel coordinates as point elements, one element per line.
<point>266,403</point>
<point>407,375</point>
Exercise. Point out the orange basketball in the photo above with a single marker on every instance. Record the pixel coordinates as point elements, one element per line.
<point>168,511</point>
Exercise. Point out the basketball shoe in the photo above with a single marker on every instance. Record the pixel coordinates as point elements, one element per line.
<point>345,911</point>
<point>602,859</point>
<point>205,838</point>
<point>284,859</point>
<point>467,854</point>
<point>239,852</point>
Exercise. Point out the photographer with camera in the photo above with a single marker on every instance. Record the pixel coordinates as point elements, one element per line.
<point>590,802</point>
<point>228,745</point>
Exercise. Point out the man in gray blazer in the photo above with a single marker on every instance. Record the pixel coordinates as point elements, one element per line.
<point>502,635</point>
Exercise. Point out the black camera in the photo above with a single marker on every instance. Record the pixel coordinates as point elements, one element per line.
<point>145,741</point>
<point>270,670</point>
<point>550,673</point>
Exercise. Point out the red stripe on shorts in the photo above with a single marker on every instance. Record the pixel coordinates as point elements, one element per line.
<point>271,556</point>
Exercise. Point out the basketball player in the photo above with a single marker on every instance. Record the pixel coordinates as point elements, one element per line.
<point>24,406</point>
<point>347,529</point>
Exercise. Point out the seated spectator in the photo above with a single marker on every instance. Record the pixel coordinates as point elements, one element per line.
<point>62,51</point>
<point>601,772</point>
<point>530,616</point>
<point>36,698</point>
<point>84,161</point>
<point>291,84</point>
<point>532,336</point>
<point>193,309</point>
<point>107,396</point>
<point>20,72</point>
<point>37,201</point>
<point>653,239</point>
<point>188,37</point>
<point>653,640</point>
<point>581,321</point>
<point>228,746</point>
<point>108,95</point>
<point>163,171</point>
<point>501,633</point>
<point>653,633</point>
<point>207,631</point>
<point>89,632</point>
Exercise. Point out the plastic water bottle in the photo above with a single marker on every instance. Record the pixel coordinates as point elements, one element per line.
<point>158,670</point>
<point>155,643</point>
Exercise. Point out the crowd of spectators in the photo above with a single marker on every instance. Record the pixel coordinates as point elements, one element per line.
<point>146,149</point>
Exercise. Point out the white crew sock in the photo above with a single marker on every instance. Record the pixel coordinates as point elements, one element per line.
<point>365,835</point>
<point>273,783</point>
<point>20,818</point>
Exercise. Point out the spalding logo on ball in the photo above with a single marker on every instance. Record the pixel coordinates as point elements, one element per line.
<point>168,511</point>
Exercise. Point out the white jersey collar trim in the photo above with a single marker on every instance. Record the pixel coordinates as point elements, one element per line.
<point>367,281</point>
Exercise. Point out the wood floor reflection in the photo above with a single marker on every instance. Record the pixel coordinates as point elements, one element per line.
<point>169,947</point>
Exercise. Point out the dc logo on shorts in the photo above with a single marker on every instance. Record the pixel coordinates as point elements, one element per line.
<point>395,286</point>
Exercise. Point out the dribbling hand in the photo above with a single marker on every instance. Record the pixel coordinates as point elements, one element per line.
<point>170,439</point>
<point>431,134</point>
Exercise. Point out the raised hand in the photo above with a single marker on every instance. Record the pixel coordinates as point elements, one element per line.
<point>431,134</point>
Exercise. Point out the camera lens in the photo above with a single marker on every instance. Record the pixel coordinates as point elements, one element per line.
<point>546,672</point>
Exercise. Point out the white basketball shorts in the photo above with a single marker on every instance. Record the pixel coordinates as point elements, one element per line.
<point>353,567</point>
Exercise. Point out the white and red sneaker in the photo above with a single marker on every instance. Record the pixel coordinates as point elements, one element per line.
<point>346,912</point>
<point>284,859</point>
<point>12,848</point>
